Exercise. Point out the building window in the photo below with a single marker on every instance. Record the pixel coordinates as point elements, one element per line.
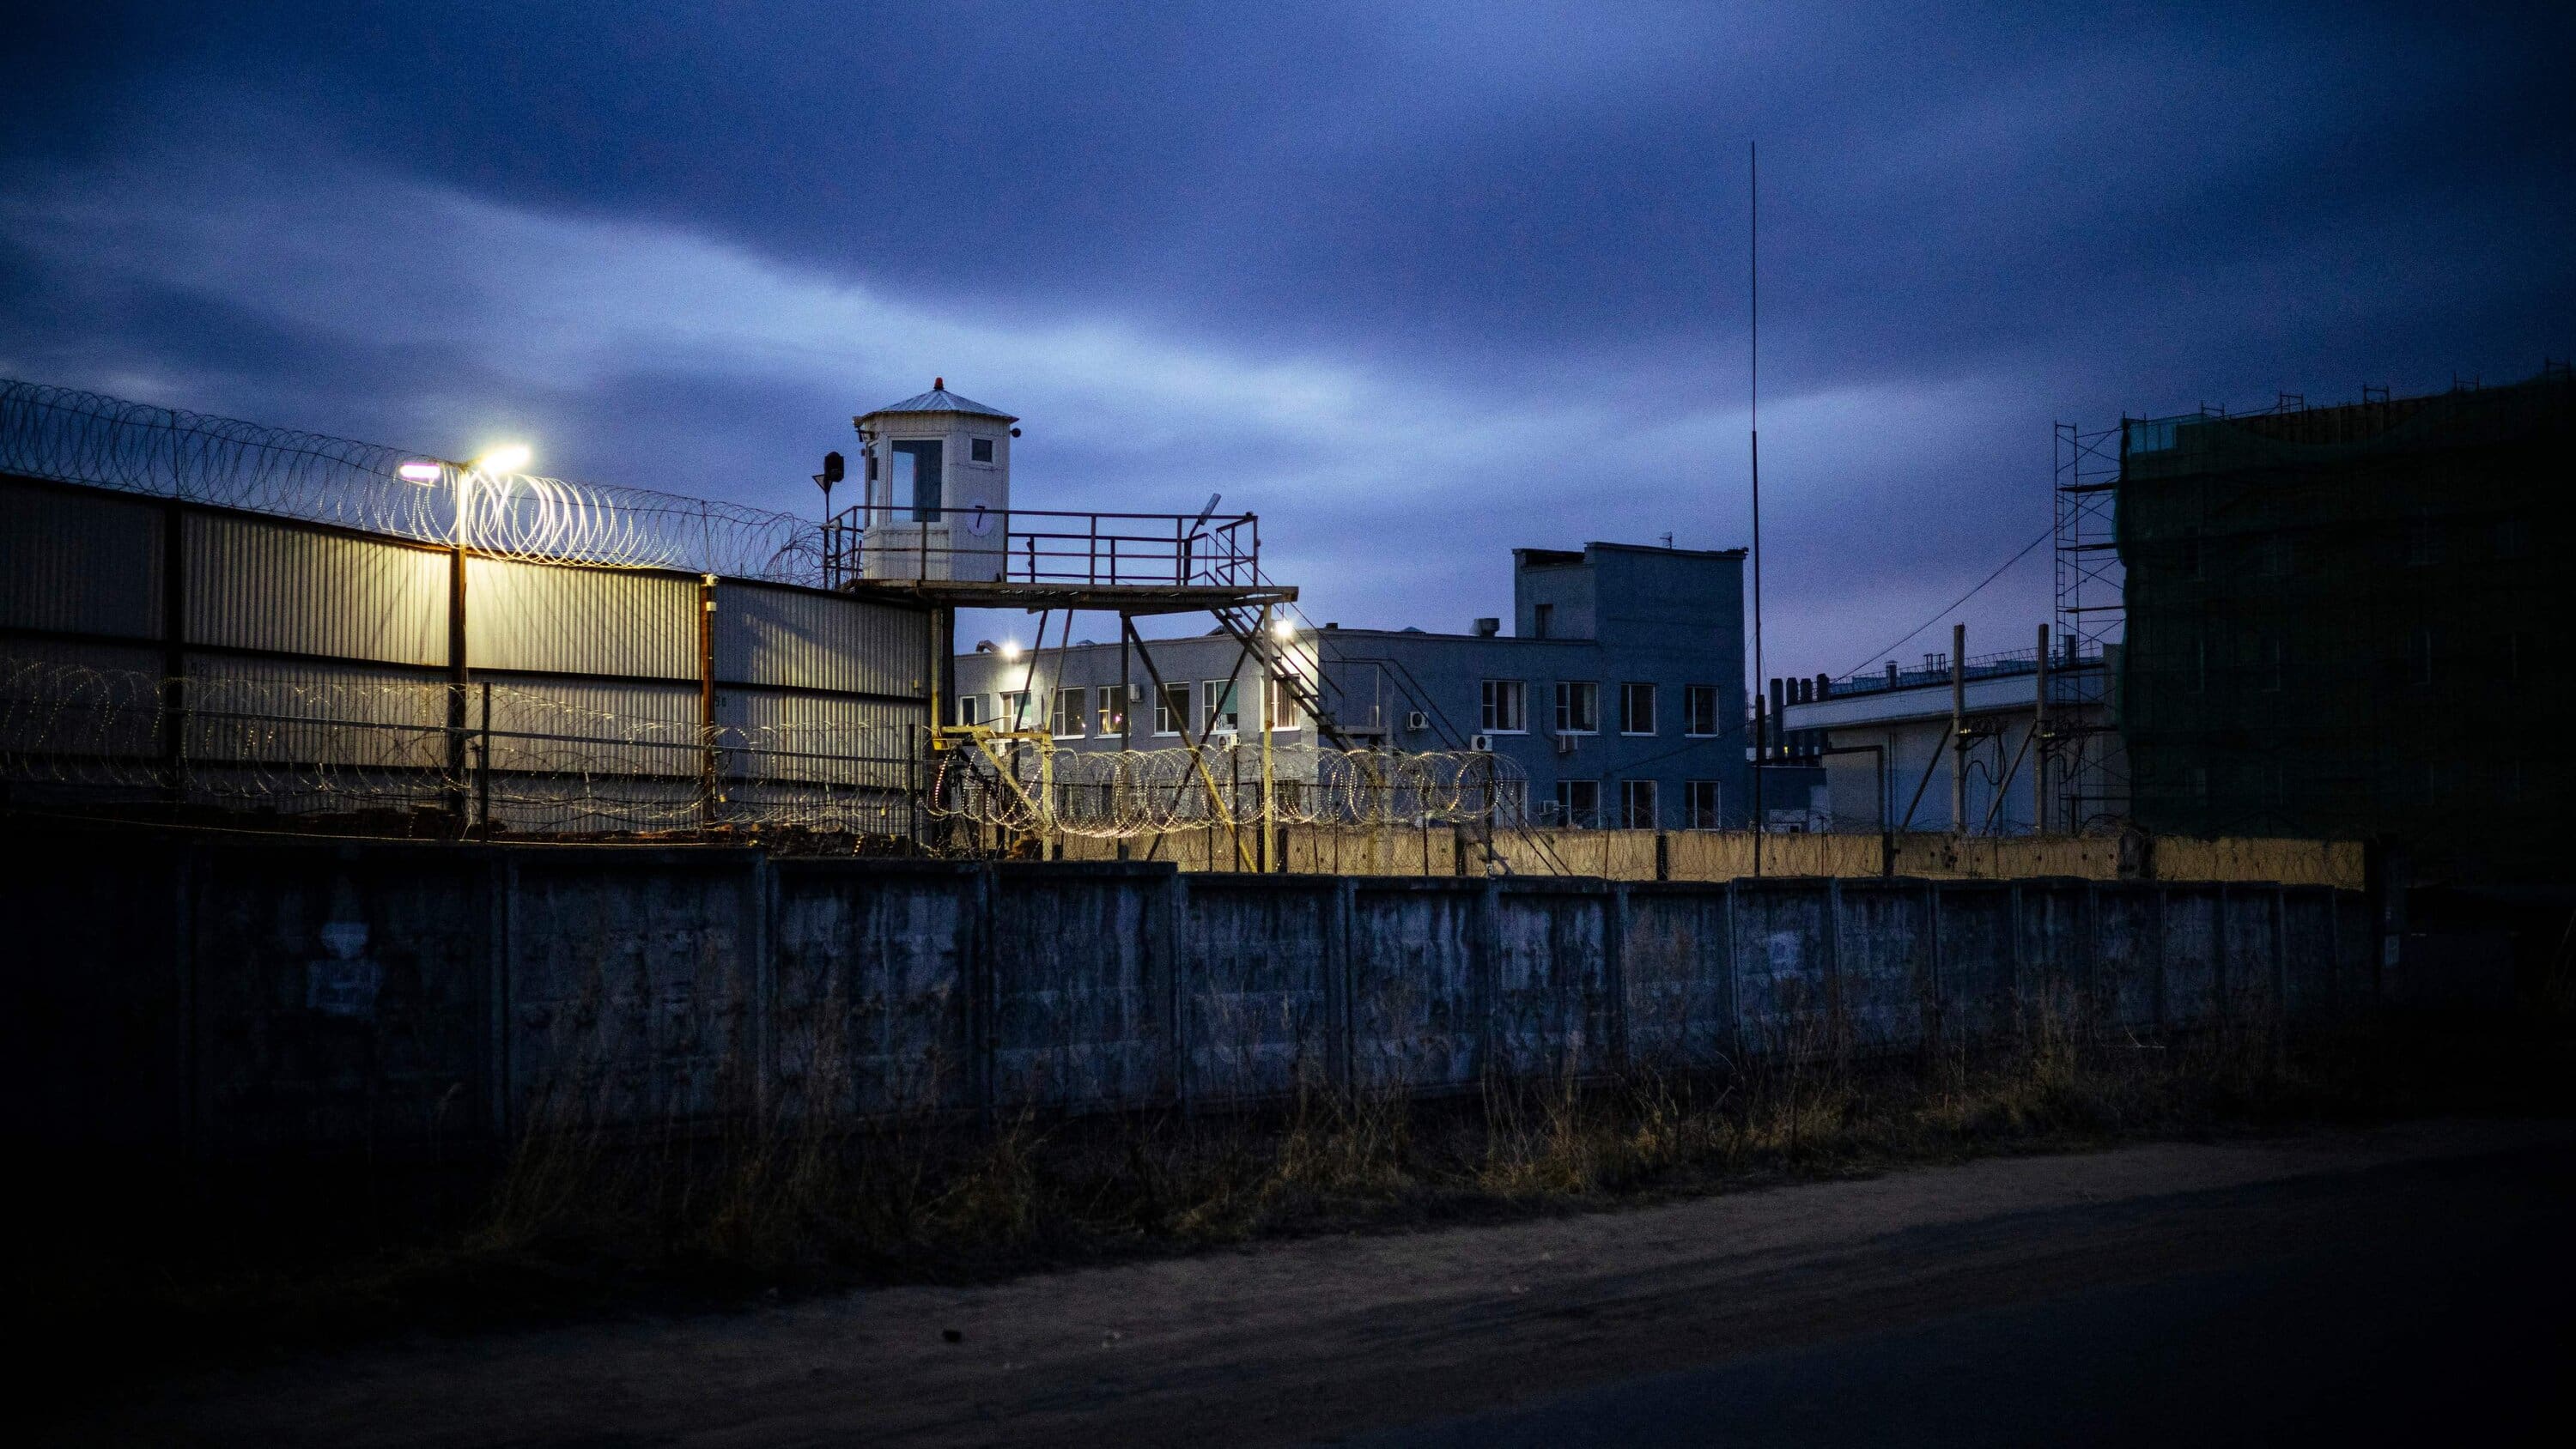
<point>979,450</point>
<point>1065,720</point>
<point>967,705</point>
<point>1578,803</point>
<point>1542,617</point>
<point>1699,799</point>
<point>1699,709</point>
<point>1504,709</point>
<point>1637,805</point>
<point>1113,709</point>
<point>1636,709</point>
<point>1171,709</point>
<point>1578,707</point>
<point>1283,705</point>
<point>1217,708</point>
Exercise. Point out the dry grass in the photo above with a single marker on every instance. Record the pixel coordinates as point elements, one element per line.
<point>590,1209</point>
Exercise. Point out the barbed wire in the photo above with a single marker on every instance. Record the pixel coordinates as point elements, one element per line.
<point>545,763</point>
<point>1035,787</point>
<point>71,436</point>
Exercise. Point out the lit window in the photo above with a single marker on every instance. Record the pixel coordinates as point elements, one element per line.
<point>1636,709</point>
<point>1283,705</point>
<point>1504,709</point>
<point>1065,721</point>
<point>1578,707</point>
<point>1113,709</point>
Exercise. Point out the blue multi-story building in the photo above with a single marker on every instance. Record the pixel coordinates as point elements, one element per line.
<point>1620,690</point>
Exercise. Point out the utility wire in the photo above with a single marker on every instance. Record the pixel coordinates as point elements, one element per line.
<point>1954,603</point>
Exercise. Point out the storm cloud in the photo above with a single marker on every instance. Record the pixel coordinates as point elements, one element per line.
<point>1418,284</point>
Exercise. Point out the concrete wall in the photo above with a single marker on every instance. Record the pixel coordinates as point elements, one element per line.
<point>239,995</point>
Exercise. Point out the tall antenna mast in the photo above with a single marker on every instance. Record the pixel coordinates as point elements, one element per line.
<point>1753,289</point>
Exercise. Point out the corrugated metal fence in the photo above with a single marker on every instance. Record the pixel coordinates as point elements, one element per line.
<point>164,650</point>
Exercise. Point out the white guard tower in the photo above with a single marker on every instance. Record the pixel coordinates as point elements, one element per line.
<point>938,477</point>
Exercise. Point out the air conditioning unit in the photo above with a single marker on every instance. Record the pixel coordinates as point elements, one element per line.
<point>1417,721</point>
<point>1482,744</point>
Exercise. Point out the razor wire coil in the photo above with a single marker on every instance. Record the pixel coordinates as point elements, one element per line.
<point>67,435</point>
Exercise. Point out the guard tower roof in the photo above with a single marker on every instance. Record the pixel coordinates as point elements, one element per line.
<point>940,400</point>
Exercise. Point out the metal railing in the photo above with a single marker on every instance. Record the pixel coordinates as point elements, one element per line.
<point>1979,666</point>
<point>901,542</point>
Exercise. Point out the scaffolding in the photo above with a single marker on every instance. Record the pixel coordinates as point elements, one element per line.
<point>2342,621</point>
<point>2083,772</point>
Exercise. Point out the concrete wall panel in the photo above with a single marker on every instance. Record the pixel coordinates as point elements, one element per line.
<point>1676,976</point>
<point>631,989</point>
<point>1256,994</point>
<point>1417,1008</point>
<point>1081,967</point>
<point>871,1007</point>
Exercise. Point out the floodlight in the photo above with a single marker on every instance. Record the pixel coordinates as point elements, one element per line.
<point>1283,629</point>
<point>421,473</point>
<point>506,458</point>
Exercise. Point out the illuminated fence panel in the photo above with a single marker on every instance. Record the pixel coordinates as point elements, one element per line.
<point>252,584</point>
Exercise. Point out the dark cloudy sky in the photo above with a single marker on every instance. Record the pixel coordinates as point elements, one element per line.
<point>1417,283</point>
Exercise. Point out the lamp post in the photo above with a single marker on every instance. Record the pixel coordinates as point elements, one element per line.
<point>506,458</point>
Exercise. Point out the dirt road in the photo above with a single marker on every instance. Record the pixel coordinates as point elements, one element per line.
<point>1976,1303</point>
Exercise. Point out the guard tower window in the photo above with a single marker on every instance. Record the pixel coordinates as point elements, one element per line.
<point>917,469</point>
<point>979,450</point>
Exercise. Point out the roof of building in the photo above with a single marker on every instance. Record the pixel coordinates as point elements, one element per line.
<point>940,400</point>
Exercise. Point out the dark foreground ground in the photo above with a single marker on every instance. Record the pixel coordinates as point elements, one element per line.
<point>2403,1284</point>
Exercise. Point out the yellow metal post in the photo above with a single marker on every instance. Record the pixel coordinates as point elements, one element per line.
<point>1269,800</point>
